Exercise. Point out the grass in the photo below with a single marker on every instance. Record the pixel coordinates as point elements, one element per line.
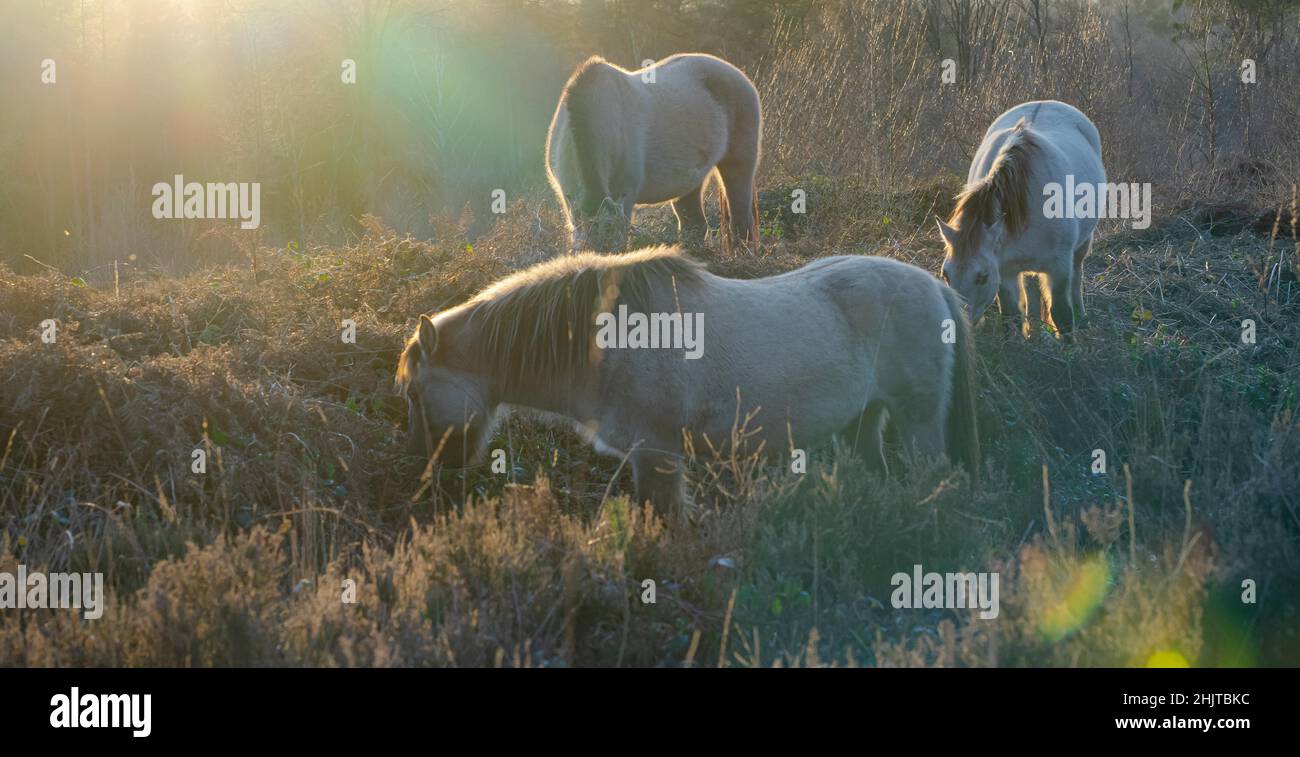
<point>306,487</point>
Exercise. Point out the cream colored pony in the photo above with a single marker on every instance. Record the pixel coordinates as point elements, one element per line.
<point>836,347</point>
<point>1000,229</point>
<point>625,138</point>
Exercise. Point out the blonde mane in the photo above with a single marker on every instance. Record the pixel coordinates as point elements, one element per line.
<point>1005,188</point>
<point>538,325</point>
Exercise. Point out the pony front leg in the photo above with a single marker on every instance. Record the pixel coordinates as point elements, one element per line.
<point>1077,278</point>
<point>1063,306</point>
<point>921,433</point>
<point>657,477</point>
<point>1011,304</point>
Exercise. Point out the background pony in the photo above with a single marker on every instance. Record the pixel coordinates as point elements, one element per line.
<point>625,138</point>
<point>891,343</point>
<point>999,229</point>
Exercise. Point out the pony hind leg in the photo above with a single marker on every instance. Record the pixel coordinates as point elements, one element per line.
<point>625,211</point>
<point>866,436</point>
<point>606,223</point>
<point>691,224</point>
<point>740,203</point>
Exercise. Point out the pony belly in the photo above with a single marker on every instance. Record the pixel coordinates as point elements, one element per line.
<point>676,167</point>
<point>829,408</point>
<point>818,426</point>
<point>668,186</point>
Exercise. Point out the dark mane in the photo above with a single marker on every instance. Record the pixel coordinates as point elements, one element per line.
<point>1005,189</point>
<point>539,324</point>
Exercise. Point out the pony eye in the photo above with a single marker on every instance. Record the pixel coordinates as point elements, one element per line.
<point>981,279</point>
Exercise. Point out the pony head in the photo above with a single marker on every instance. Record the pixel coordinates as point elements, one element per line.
<point>989,212</point>
<point>448,408</point>
<point>970,263</point>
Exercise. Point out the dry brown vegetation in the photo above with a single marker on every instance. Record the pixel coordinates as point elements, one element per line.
<point>307,484</point>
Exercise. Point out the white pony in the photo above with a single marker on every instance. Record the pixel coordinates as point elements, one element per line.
<point>836,347</point>
<point>624,138</point>
<point>1000,229</point>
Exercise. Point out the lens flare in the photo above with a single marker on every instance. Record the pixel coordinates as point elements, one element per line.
<point>1167,658</point>
<point>1068,598</point>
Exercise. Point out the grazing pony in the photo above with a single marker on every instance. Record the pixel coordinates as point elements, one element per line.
<point>836,347</point>
<point>1000,229</point>
<point>625,138</point>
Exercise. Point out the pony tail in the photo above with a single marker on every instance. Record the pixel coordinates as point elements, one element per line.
<point>962,435</point>
<point>587,119</point>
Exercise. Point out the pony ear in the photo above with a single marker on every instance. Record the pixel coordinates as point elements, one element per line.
<point>948,233</point>
<point>427,335</point>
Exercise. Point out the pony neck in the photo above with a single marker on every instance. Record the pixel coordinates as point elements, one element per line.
<point>517,388</point>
